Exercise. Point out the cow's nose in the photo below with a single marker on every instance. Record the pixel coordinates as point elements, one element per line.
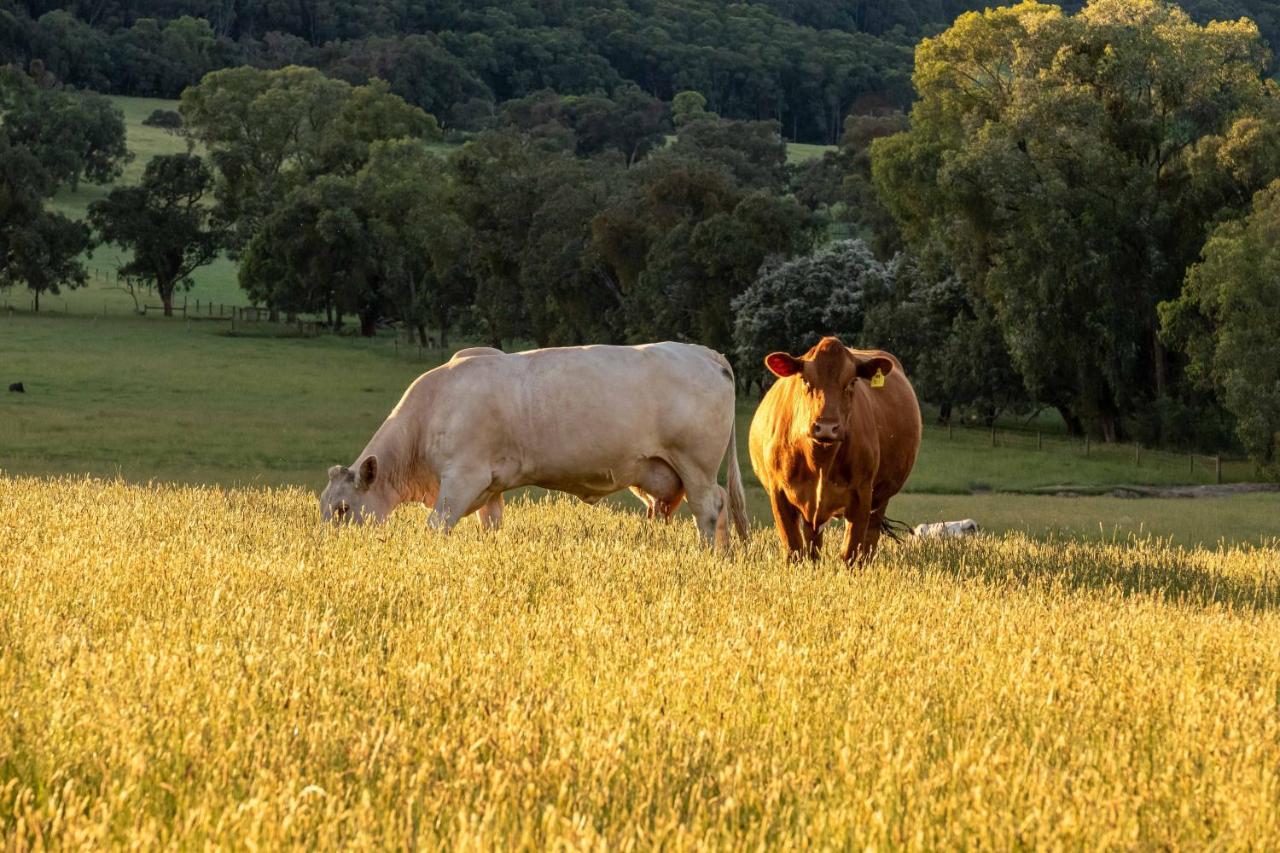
<point>826,430</point>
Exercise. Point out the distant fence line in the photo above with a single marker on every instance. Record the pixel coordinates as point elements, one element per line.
<point>1084,447</point>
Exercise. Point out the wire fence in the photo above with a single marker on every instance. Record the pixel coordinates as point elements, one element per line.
<point>1194,466</point>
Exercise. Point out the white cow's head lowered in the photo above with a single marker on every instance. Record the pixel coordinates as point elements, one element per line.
<point>355,497</point>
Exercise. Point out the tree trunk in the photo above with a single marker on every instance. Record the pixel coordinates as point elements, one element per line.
<point>166,298</point>
<point>422,333</point>
<point>1158,355</point>
<point>273,314</point>
<point>37,304</point>
<point>944,413</point>
<point>1075,427</point>
<point>1110,423</point>
<point>368,324</point>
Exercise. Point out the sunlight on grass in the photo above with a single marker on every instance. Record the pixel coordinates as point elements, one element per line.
<point>192,667</point>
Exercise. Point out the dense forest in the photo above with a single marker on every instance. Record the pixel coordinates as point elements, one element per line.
<point>1068,208</point>
<point>803,63</point>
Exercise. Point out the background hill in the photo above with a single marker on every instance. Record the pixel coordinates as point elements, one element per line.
<point>805,64</point>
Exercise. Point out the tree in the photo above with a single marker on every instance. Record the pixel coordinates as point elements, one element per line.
<point>683,237</point>
<point>74,135</point>
<point>792,305</point>
<point>1227,320</point>
<point>49,137</point>
<point>163,222</point>
<point>414,234</point>
<point>268,132</point>
<point>311,253</point>
<point>947,339</point>
<point>37,247</point>
<point>1070,164</point>
<point>689,106</point>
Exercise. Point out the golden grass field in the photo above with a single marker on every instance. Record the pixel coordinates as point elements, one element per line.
<point>193,666</point>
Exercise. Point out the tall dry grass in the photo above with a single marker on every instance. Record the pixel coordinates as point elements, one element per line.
<point>185,667</point>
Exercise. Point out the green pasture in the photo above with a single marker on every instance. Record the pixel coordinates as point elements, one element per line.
<point>147,398</point>
<point>800,152</point>
<point>192,400</point>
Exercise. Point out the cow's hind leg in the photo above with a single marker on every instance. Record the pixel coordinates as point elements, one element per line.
<point>707,501</point>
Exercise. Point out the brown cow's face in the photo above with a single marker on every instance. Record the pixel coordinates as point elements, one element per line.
<point>827,374</point>
<point>354,497</point>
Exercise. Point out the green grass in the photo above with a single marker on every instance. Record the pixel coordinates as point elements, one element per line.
<point>800,152</point>
<point>111,393</point>
<point>149,398</point>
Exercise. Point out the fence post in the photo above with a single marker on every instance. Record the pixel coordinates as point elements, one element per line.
<point>1137,449</point>
<point>1039,440</point>
<point>1086,445</point>
<point>1217,469</point>
<point>993,436</point>
<point>1191,464</point>
<point>949,428</point>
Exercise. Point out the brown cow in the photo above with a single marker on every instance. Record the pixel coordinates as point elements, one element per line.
<point>836,435</point>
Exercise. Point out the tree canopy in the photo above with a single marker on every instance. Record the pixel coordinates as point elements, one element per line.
<point>1069,164</point>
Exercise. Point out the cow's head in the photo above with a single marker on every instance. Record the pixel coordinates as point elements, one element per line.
<point>827,374</point>
<point>355,497</point>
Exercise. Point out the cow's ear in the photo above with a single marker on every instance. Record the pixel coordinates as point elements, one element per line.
<point>782,364</point>
<point>368,473</point>
<point>868,368</point>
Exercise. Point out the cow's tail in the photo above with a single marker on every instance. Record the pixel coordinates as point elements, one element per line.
<point>894,529</point>
<point>733,480</point>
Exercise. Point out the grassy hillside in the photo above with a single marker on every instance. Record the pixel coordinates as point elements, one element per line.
<point>200,667</point>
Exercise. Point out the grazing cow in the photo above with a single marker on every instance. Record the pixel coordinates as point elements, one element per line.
<point>836,435</point>
<point>17,388</point>
<point>947,529</point>
<point>589,421</point>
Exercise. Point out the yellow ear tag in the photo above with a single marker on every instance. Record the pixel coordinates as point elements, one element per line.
<point>877,381</point>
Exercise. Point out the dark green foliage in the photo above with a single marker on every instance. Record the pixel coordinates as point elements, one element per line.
<point>1227,320</point>
<point>49,138</point>
<point>72,135</point>
<point>1070,166</point>
<point>268,132</point>
<point>168,119</point>
<point>791,306</point>
<point>163,222</point>
<point>631,123</point>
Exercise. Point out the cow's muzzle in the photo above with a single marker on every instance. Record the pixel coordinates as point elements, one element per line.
<point>826,432</point>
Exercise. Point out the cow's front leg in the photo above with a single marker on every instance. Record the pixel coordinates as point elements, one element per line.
<point>858,515</point>
<point>458,493</point>
<point>814,535</point>
<point>787,521</point>
<point>490,515</point>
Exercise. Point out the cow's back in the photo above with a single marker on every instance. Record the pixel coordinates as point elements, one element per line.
<point>550,414</point>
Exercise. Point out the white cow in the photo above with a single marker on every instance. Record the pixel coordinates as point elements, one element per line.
<point>947,529</point>
<point>590,421</point>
